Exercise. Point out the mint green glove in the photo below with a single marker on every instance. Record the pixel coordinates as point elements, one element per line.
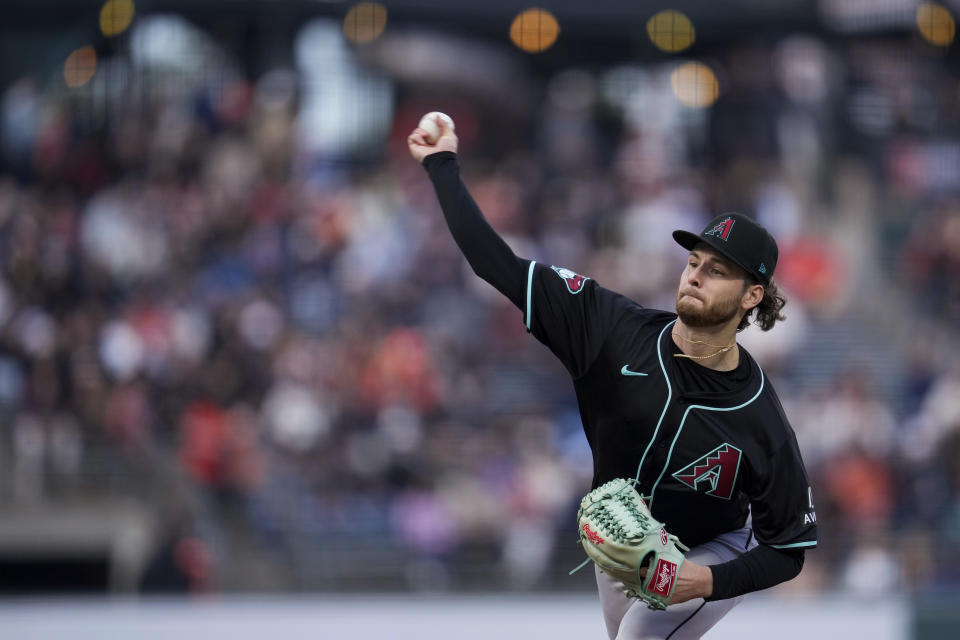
<point>621,536</point>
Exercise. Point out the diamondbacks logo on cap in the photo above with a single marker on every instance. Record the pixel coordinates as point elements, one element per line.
<point>574,281</point>
<point>762,268</point>
<point>721,229</point>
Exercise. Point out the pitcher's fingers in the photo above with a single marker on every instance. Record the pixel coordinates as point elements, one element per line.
<point>416,138</point>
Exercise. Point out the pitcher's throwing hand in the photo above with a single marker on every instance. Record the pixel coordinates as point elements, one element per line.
<point>420,146</point>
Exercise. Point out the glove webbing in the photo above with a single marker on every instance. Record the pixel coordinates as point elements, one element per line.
<point>609,519</point>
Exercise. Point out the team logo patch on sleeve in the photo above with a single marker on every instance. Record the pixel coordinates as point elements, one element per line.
<point>574,281</point>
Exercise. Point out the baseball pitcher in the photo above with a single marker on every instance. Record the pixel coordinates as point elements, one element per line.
<point>699,493</point>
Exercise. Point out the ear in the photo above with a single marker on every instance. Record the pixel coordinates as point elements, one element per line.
<point>752,296</point>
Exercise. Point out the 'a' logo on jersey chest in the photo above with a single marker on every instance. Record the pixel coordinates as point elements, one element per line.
<point>716,472</point>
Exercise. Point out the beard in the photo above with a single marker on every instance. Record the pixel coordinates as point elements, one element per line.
<point>717,313</point>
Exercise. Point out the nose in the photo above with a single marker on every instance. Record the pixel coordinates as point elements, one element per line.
<point>693,276</point>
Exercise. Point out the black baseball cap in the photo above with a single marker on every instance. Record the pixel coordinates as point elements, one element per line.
<point>739,239</point>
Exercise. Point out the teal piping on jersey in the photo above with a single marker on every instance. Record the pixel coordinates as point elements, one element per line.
<point>666,379</point>
<point>684,419</point>
<point>811,543</point>
<point>529,288</point>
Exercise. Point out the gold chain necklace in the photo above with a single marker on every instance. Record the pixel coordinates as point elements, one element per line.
<point>722,349</point>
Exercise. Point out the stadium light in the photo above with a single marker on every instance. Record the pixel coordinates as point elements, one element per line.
<point>671,31</point>
<point>534,30</point>
<point>935,24</point>
<point>365,22</point>
<point>80,67</point>
<point>694,84</point>
<point>116,16</point>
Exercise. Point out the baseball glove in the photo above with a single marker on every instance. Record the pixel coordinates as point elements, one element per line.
<point>621,536</point>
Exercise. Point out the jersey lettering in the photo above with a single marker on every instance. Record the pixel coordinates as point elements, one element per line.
<point>718,469</point>
<point>574,281</point>
<point>811,516</point>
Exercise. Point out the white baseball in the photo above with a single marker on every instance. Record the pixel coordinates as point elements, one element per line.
<point>428,124</point>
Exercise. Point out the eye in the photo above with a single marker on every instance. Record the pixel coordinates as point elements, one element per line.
<point>716,272</point>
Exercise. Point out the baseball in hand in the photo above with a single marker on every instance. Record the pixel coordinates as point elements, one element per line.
<point>428,123</point>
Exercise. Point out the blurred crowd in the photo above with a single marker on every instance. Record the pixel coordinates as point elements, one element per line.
<point>281,351</point>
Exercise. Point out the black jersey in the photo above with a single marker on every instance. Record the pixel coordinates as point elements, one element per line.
<point>707,445</point>
<point>708,454</point>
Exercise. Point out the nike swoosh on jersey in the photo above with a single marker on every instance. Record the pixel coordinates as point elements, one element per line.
<point>625,371</point>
